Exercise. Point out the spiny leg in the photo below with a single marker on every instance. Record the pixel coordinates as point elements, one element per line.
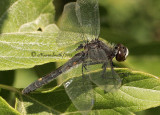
<point>83,66</point>
<point>85,63</point>
<point>104,66</point>
<point>113,72</point>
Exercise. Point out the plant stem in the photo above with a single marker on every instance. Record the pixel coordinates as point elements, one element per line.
<point>9,88</point>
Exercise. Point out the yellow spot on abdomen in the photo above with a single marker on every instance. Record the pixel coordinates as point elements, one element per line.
<point>40,79</point>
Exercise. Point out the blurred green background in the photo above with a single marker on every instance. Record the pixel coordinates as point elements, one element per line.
<point>134,23</point>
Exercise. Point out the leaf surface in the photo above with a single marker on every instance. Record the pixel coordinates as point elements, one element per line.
<point>138,92</point>
<point>6,109</point>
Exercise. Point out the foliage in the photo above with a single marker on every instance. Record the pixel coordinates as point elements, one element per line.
<point>27,26</point>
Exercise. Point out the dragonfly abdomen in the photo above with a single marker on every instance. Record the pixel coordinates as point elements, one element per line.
<point>77,59</point>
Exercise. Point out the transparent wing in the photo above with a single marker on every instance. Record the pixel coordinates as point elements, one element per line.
<point>79,23</point>
<point>79,90</point>
<point>107,79</point>
<point>109,82</point>
<point>70,33</point>
<point>87,12</point>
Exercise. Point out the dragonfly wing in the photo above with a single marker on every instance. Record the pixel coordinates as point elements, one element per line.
<point>109,82</point>
<point>70,33</point>
<point>107,78</point>
<point>79,23</point>
<point>87,12</point>
<point>79,90</point>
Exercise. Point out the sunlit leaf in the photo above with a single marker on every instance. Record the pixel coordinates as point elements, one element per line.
<point>139,91</point>
<point>6,109</point>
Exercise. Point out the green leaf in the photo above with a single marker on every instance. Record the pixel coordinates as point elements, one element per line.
<point>21,14</point>
<point>27,34</point>
<point>24,50</point>
<point>139,91</point>
<point>28,26</point>
<point>6,109</point>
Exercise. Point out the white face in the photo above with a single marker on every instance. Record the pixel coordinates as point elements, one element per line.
<point>127,53</point>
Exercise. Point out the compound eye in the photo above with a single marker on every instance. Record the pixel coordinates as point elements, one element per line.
<point>122,53</point>
<point>120,56</point>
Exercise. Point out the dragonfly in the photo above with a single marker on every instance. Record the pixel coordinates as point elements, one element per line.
<point>80,20</point>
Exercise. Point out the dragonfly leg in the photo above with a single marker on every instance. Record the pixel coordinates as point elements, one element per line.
<point>83,66</point>
<point>112,68</point>
<point>104,66</point>
<point>83,63</point>
<point>112,64</point>
<point>114,73</point>
<point>80,47</point>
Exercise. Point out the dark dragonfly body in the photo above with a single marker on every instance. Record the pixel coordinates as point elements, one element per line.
<point>77,59</point>
<point>97,51</point>
<point>80,22</point>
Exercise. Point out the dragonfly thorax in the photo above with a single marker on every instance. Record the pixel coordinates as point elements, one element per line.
<point>98,51</point>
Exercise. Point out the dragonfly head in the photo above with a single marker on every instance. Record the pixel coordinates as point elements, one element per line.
<point>121,52</point>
